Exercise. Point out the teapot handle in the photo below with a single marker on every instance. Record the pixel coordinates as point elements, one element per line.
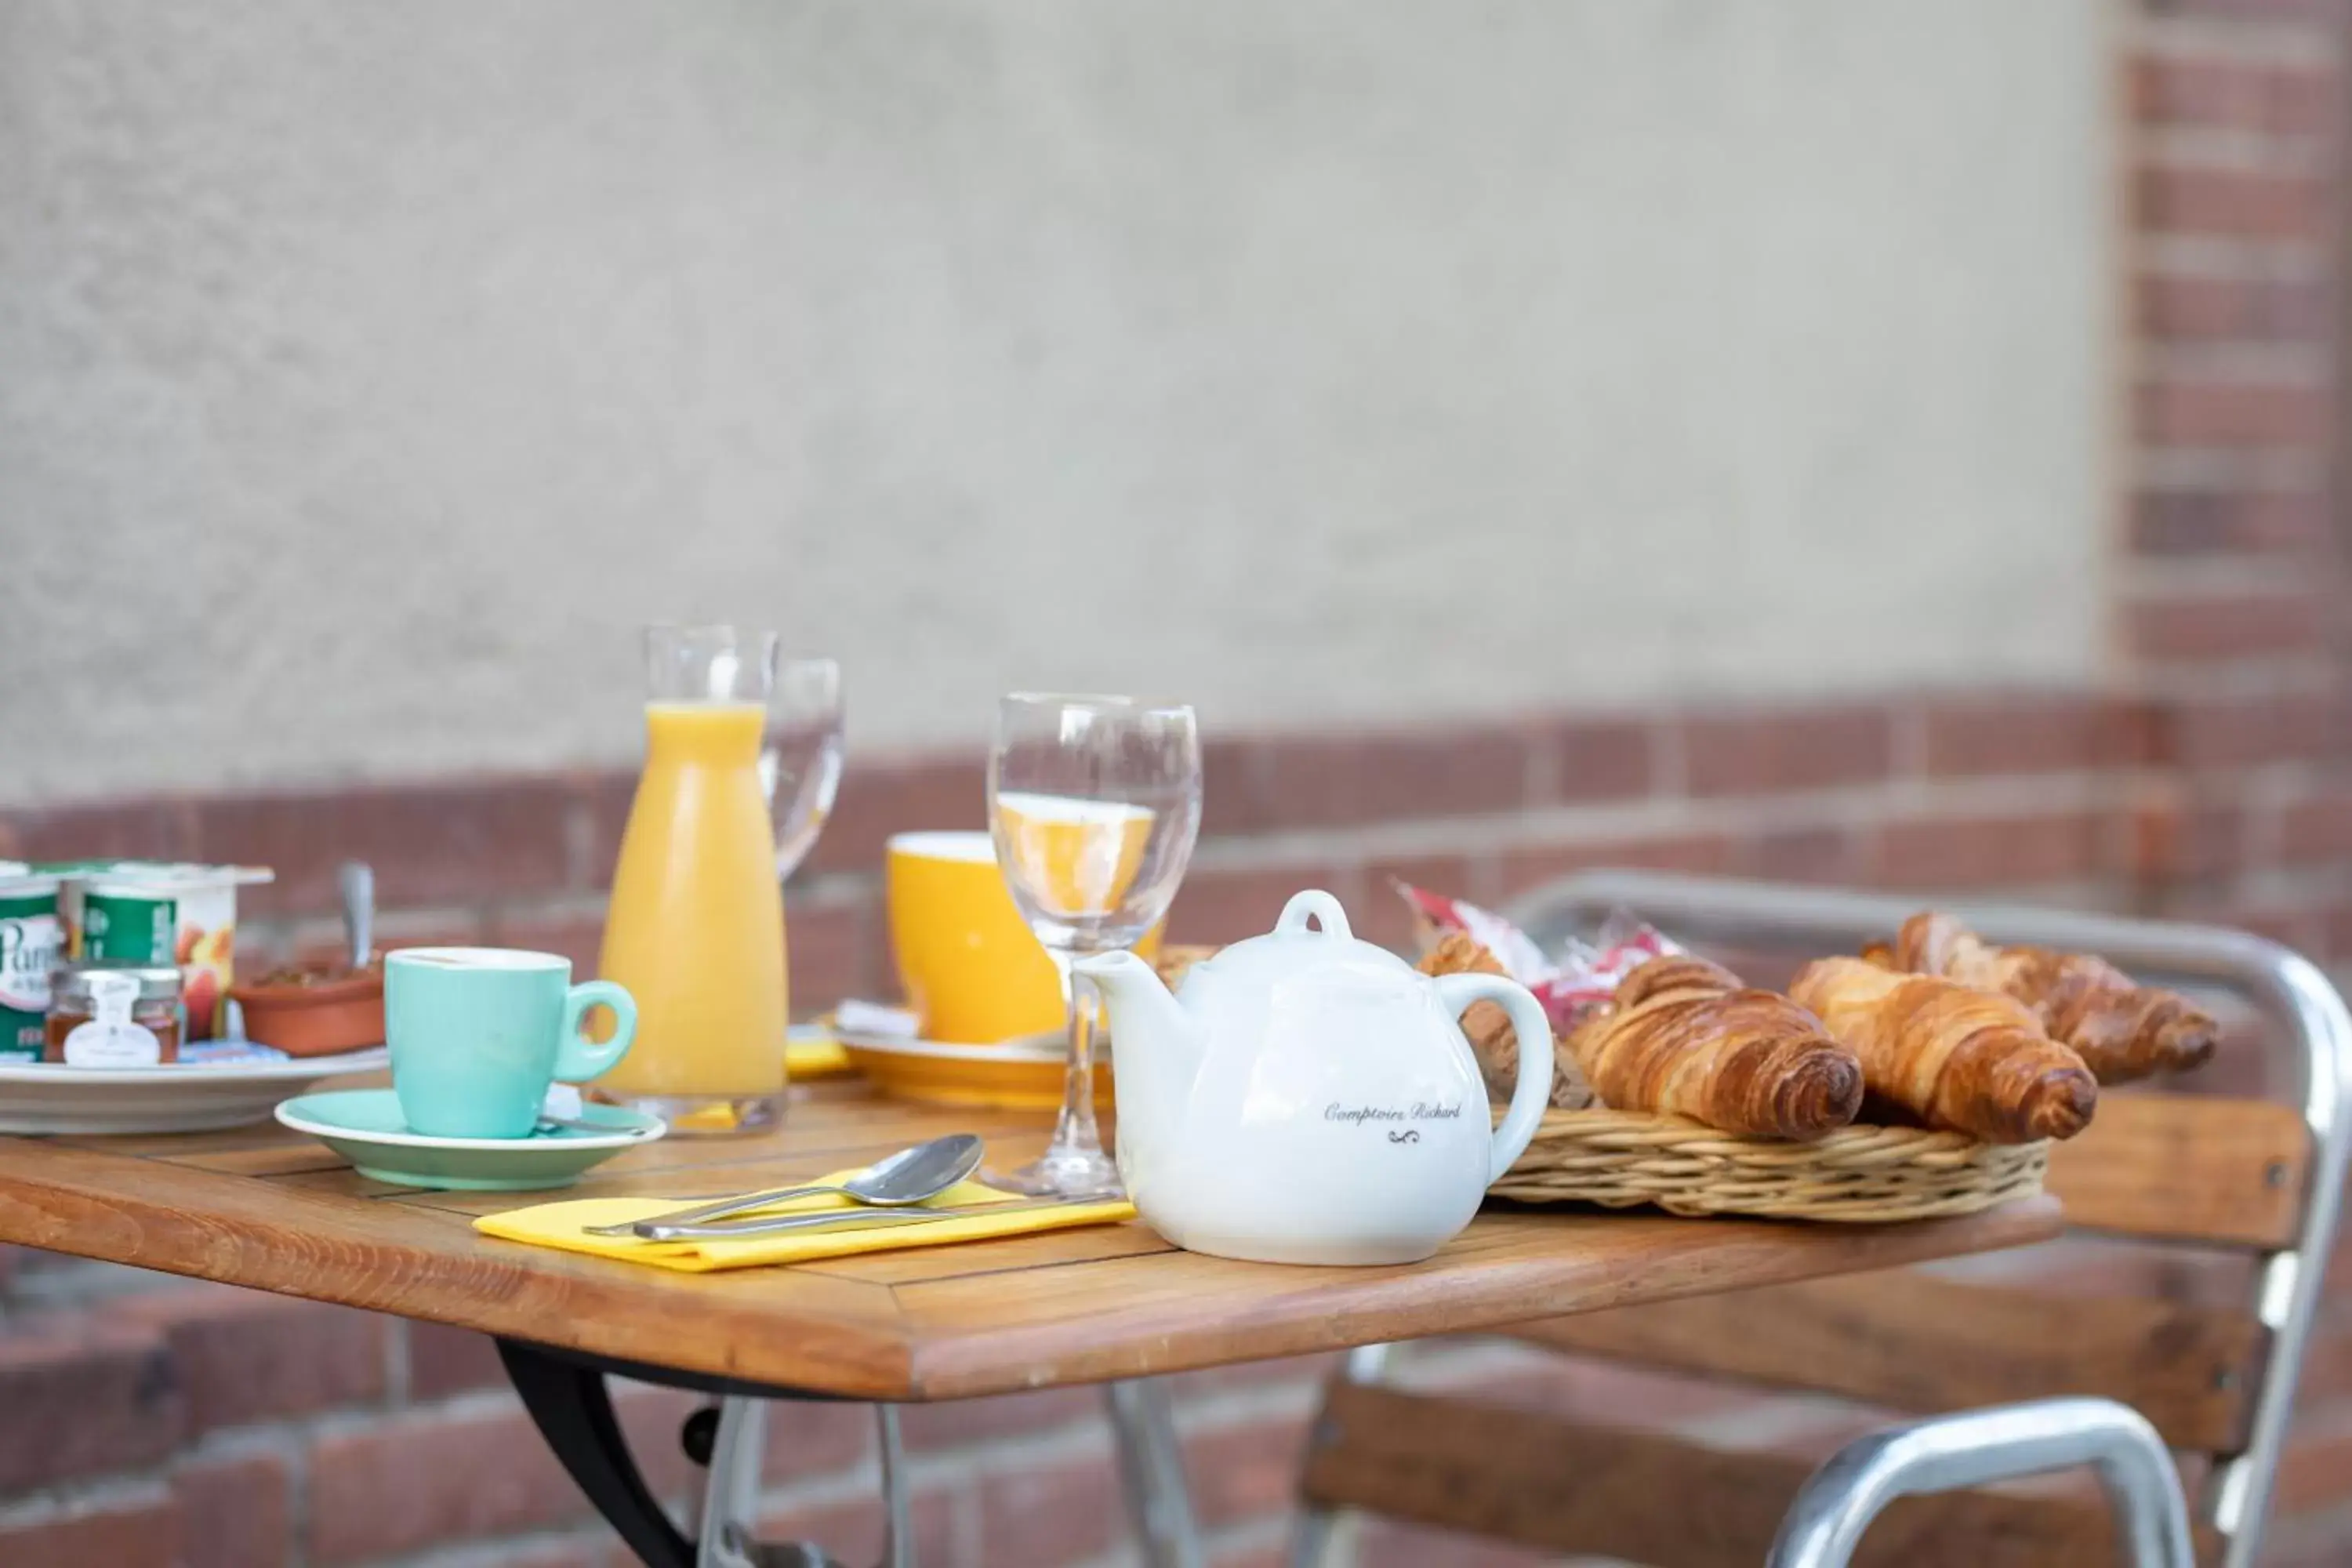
<point>1321,905</point>
<point>1532,1093</point>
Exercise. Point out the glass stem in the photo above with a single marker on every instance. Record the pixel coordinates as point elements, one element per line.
<point>1076,1129</point>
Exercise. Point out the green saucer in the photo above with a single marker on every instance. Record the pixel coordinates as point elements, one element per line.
<point>364,1126</point>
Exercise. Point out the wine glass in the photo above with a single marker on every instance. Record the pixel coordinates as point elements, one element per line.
<point>800,756</point>
<point>1095,802</point>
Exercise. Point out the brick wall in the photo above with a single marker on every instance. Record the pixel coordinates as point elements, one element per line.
<point>151,1421</point>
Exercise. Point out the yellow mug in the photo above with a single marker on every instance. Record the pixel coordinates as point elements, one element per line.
<point>971,970</point>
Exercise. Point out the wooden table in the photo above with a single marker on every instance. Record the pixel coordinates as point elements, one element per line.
<point>265,1208</point>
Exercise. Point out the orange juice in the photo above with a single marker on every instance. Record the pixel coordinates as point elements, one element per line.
<point>695,930</point>
<point>1076,857</point>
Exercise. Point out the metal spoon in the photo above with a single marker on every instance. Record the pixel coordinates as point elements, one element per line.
<point>909,1176</point>
<point>356,881</point>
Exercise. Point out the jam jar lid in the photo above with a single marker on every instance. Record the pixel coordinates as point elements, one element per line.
<point>69,983</point>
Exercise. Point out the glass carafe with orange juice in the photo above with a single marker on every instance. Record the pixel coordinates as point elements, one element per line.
<point>695,928</point>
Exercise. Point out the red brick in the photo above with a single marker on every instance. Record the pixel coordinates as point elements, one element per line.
<point>1388,1544</point>
<point>404,1485</point>
<point>889,795</point>
<point>597,1547</point>
<point>1526,868</point>
<point>1052,1514</point>
<point>852,1530</point>
<point>1797,748</point>
<point>1302,1371</point>
<point>1595,759</point>
<point>1246,1471</point>
<point>2200,308</point>
<point>651,1419</point>
<point>606,800</point>
<point>2221,626</point>
<point>84,1395</point>
<point>2026,732</point>
<point>1574,1387</point>
<point>1233,786</point>
<point>437,843</point>
<point>1325,780</point>
<point>2309,1541</point>
<point>2294,97</point>
<point>2206,412</point>
<point>816,1437</point>
<point>1382,915</point>
<point>1250,1557</point>
<point>830,950</point>
<point>148,829</point>
<point>443,1361</point>
<point>2173,839</point>
<point>2319,828</point>
<point>145,1534</point>
<point>2318,1456</point>
<point>2222,521</point>
<point>2249,204</point>
<point>320,940</point>
<point>1831,855</point>
<point>242,1356</point>
<point>2251,10</point>
<point>1226,905</point>
<point>235,1512</point>
<point>931,1429</point>
<point>1979,852</point>
<point>2224,731</point>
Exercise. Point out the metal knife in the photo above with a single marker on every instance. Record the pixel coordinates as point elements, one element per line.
<point>781,1225</point>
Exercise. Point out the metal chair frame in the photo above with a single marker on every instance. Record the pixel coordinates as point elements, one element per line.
<point>1949,1453</point>
<point>2285,985</point>
<point>1151,1466</point>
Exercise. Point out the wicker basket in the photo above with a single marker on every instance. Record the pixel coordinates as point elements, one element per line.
<point>1855,1176</point>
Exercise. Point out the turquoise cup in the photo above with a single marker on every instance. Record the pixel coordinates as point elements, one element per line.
<point>478,1033</point>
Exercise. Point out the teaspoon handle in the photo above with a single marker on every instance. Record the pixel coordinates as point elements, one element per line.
<point>713,1211</point>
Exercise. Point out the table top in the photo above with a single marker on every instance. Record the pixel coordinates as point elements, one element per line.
<point>267,1208</point>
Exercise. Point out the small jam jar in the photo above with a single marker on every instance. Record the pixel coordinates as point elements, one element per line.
<point>113,1014</point>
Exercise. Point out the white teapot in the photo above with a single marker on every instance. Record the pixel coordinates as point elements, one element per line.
<point>1306,1097</point>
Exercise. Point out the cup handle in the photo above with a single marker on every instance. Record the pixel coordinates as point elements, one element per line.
<point>579,1058</point>
<point>1532,1094</point>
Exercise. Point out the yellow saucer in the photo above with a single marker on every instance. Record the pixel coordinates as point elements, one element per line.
<point>1019,1077</point>
<point>812,1052</point>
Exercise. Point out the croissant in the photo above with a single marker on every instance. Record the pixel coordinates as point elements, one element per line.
<point>2121,1030</point>
<point>1684,1037</point>
<point>1971,1060</point>
<point>1492,1038</point>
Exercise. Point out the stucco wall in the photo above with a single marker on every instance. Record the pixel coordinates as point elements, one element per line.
<point>368,373</point>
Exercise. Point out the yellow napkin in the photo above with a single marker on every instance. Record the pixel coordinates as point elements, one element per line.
<point>564,1225</point>
<point>813,1056</point>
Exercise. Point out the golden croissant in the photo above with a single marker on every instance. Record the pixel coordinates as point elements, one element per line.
<point>1489,1027</point>
<point>1684,1037</point>
<point>1954,1055</point>
<point>2121,1030</point>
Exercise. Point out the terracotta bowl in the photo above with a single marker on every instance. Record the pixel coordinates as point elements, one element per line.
<point>319,1017</point>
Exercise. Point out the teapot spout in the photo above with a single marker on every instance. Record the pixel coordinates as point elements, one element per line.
<point>1155,1045</point>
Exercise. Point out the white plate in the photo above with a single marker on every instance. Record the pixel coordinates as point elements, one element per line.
<point>41,1097</point>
